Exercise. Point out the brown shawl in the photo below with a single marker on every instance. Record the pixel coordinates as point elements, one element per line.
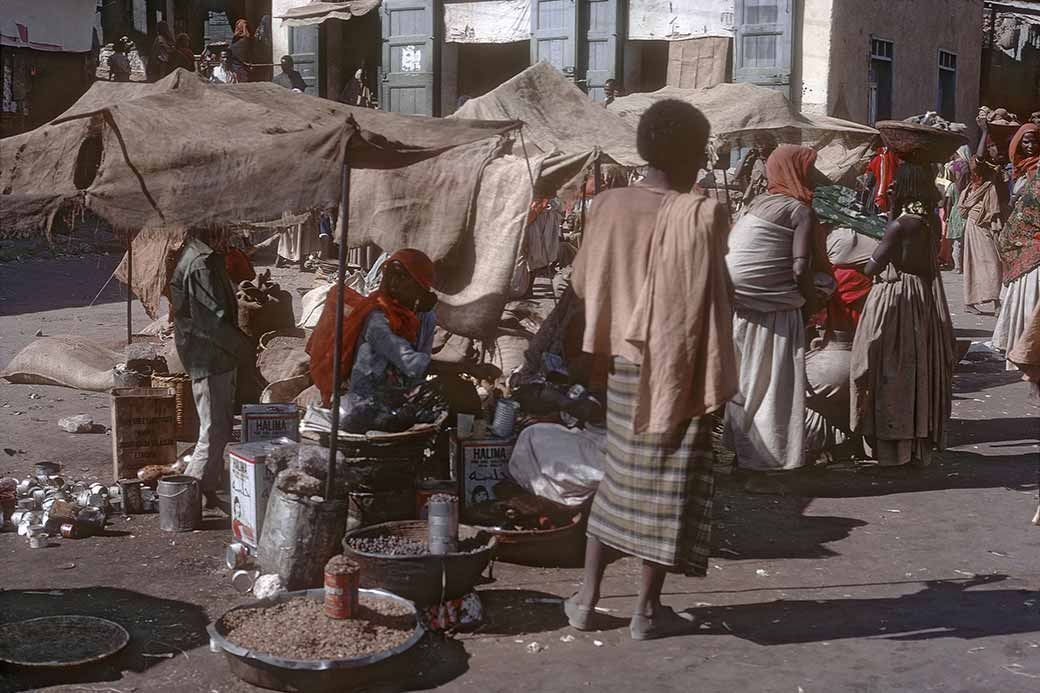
<point>682,321</point>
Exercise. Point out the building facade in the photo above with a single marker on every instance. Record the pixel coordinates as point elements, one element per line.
<point>873,60</point>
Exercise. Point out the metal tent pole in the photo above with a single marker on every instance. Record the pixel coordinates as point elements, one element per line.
<point>337,372</point>
<point>596,173</point>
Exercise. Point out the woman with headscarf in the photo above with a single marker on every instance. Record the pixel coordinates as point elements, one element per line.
<point>769,261</point>
<point>958,171</point>
<point>1024,153</point>
<point>983,207</point>
<point>902,354</point>
<point>1019,244</point>
<point>387,340</point>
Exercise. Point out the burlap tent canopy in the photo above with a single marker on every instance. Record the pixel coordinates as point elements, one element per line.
<point>317,12</point>
<point>558,117</point>
<point>749,115</point>
<point>182,153</point>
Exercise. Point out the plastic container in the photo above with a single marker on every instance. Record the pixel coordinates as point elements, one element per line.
<point>180,503</point>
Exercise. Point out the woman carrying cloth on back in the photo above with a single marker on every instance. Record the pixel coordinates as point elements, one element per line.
<point>771,271</point>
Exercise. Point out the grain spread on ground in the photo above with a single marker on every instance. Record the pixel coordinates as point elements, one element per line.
<point>299,629</point>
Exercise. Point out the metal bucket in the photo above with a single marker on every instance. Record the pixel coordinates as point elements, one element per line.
<point>180,503</point>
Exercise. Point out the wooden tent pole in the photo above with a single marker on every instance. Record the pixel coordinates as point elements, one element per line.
<point>337,374</point>
<point>129,287</point>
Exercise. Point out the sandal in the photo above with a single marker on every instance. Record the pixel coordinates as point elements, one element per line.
<point>579,617</point>
<point>663,624</point>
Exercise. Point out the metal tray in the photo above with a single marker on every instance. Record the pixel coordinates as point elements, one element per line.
<point>281,674</point>
<point>106,638</point>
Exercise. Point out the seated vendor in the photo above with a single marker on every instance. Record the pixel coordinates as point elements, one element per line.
<point>387,341</point>
<point>828,432</point>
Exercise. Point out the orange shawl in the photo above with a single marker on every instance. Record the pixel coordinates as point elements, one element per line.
<point>1021,164</point>
<point>322,344</point>
<point>403,321</point>
<point>788,170</point>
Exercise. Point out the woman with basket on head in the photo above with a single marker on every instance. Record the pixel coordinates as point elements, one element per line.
<point>1019,243</point>
<point>902,354</point>
<point>983,206</point>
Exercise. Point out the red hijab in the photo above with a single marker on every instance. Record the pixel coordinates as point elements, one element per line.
<point>1021,164</point>
<point>788,170</point>
<point>403,321</point>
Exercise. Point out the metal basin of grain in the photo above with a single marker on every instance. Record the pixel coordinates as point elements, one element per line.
<point>281,674</point>
<point>427,579</point>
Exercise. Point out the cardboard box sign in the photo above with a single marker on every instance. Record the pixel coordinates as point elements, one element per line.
<point>484,464</point>
<point>251,484</point>
<point>270,422</point>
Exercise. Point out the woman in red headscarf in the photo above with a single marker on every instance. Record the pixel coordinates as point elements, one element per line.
<point>770,265</point>
<point>387,339</point>
<point>1024,153</point>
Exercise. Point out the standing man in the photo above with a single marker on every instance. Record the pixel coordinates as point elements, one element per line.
<point>290,78</point>
<point>652,274</point>
<point>211,347</point>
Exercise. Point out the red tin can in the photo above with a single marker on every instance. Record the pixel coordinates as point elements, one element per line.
<point>342,578</point>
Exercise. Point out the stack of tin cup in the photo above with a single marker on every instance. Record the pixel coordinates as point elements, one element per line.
<point>443,523</point>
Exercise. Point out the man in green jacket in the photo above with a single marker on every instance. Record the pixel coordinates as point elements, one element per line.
<point>211,347</point>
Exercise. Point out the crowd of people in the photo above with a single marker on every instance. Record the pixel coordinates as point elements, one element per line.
<point>698,320</point>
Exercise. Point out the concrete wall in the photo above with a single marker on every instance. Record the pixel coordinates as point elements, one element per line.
<point>812,57</point>
<point>918,30</point>
<point>279,33</point>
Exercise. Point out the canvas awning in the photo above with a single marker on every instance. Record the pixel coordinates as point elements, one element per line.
<point>558,117</point>
<point>750,115</point>
<point>317,12</point>
<point>183,152</point>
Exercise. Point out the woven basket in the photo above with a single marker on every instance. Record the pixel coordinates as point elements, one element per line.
<point>425,580</point>
<point>561,547</point>
<point>919,143</point>
<point>187,417</point>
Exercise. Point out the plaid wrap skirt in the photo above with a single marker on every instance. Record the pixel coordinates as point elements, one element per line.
<point>655,500</point>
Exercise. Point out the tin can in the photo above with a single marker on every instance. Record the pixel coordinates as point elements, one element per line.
<point>98,488</point>
<point>237,557</point>
<point>44,470</point>
<point>16,517</point>
<point>342,579</point>
<point>131,493</point>
<point>505,418</point>
<point>25,487</point>
<point>71,531</point>
<point>37,540</point>
<point>92,519</point>
<point>443,524</point>
<point>56,482</point>
<point>39,495</point>
<point>243,580</point>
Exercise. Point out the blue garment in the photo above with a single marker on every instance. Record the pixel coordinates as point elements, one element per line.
<point>387,366</point>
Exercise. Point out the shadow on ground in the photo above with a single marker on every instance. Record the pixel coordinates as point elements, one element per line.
<point>158,628</point>
<point>942,609</point>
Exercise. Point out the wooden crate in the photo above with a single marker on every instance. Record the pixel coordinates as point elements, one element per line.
<point>144,428</point>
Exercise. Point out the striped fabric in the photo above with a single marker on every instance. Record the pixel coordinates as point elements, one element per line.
<point>655,500</point>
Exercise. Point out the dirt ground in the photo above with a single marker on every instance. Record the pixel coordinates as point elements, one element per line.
<point>849,583</point>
